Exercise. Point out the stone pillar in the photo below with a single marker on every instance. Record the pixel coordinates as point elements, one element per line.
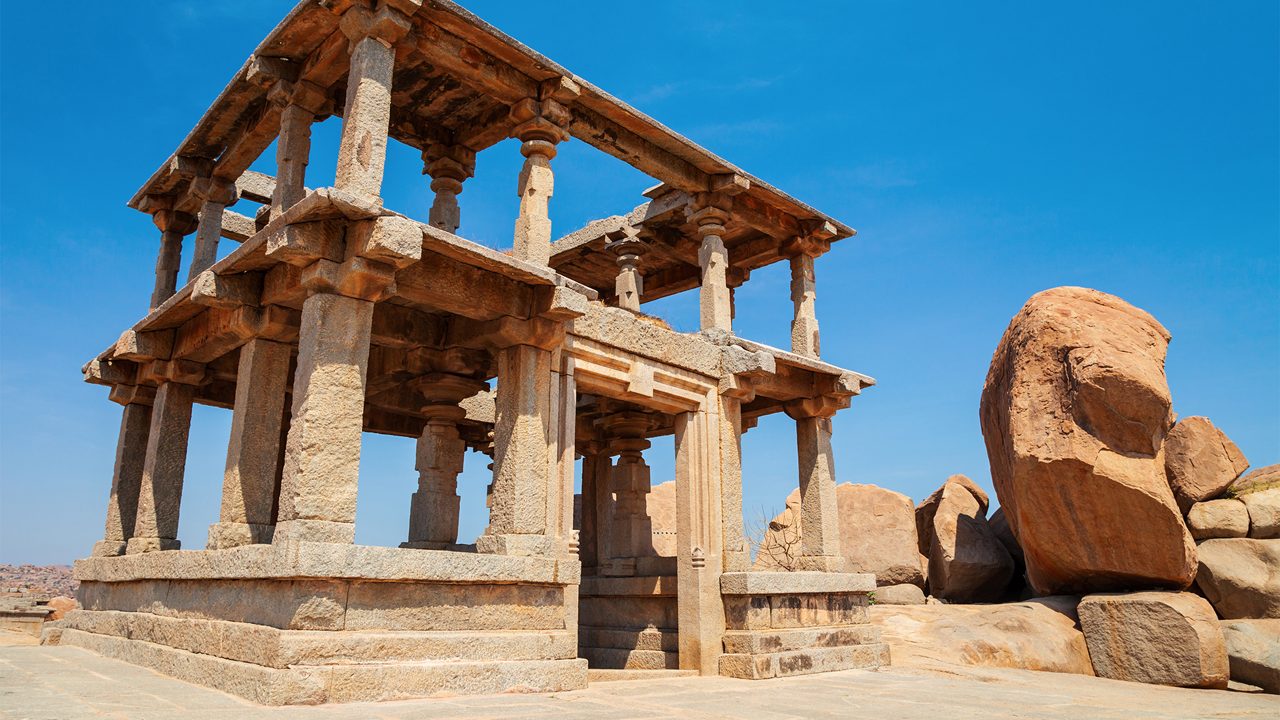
<point>216,195</point>
<point>590,545</point>
<point>300,103</point>
<point>173,226</point>
<point>433,509</point>
<point>710,213</point>
<point>737,556</point>
<point>629,286</point>
<point>522,465</point>
<point>699,540</point>
<point>540,125</point>
<point>362,152</point>
<point>819,513</point>
<point>632,530</point>
<point>249,485</point>
<point>322,457</point>
<point>449,166</point>
<point>126,480</point>
<point>160,493</point>
<point>804,251</point>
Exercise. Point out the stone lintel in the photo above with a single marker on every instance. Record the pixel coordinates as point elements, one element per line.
<point>147,345</point>
<point>110,371</point>
<point>133,394</point>
<point>391,239</point>
<point>387,23</point>
<point>505,332</point>
<point>560,303</point>
<point>359,278</point>
<point>183,372</point>
<point>331,560</point>
<point>226,291</point>
<point>795,583</point>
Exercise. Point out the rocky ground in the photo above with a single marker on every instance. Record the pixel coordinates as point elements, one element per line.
<point>47,579</point>
<point>72,684</point>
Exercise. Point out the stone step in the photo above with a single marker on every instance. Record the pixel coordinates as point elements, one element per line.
<point>309,685</point>
<point>650,638</point>
<point>804,662</point>
<point>615,659</point>
<point>607,675</point>
<point>271,647</point>
<point>754,642</point>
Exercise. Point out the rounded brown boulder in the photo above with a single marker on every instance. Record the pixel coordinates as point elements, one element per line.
<point>1074,412</point>
<point>1200,461</point>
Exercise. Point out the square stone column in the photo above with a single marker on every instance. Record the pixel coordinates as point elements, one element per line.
<point>217,196</point>
<point>253,456</point>
<point>804,323</point>
<point>819,513</point>
<point>593,544</point>
<point>300,103</point>
<point>322,457</point>
<point>173,227</point>
<point>699,534</point>
<point>737,556</point>
<point>362,152</point>
<point>710,212</point>
<point>539,125</point>
<point>523,471</point>
<point>160,494</point>
<point>126,480</point>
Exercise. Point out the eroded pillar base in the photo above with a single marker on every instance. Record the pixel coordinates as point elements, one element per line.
<point>522,545</point>
<point>109,548</point>
<point>324,531</point>
<point>225,535</point>
<point>140,545</point>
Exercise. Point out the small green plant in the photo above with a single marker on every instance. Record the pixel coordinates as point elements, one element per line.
<point>871,598</point>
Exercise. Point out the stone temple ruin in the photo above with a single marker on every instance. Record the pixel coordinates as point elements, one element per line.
<point>336,316</point>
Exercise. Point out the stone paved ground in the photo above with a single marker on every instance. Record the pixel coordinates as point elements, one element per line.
<point>69,683</point>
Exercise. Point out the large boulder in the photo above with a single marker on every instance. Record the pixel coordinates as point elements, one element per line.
<point>1225,518</point>
<point>966,561</point>
<point>1263,478</point>
<point>877,535</point>
<point>1161,638</point>
<point>1200,461</point>
<point>1264,513</point>
<point>1253,648</point>
<point>925,510</point>
<point>1241,577</point>
<point>1074,413</point>
<point>1037,635</point>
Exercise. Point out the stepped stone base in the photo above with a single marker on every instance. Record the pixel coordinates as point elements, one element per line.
<point>314,684</point>
<point>316,623</point>
<point>798,623</point>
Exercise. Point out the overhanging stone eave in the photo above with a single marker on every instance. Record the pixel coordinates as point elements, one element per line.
<point>269,47</point>
<point>523,60</point>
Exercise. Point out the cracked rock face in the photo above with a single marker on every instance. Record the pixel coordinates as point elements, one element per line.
<point>1074,413</point>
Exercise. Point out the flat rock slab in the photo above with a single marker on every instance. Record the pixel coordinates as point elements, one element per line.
<point>1038,634</point>
<point>1162,638</point>
<point>73,684</point>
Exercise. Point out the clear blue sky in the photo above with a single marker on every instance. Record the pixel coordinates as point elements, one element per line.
<point>984,150</point>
